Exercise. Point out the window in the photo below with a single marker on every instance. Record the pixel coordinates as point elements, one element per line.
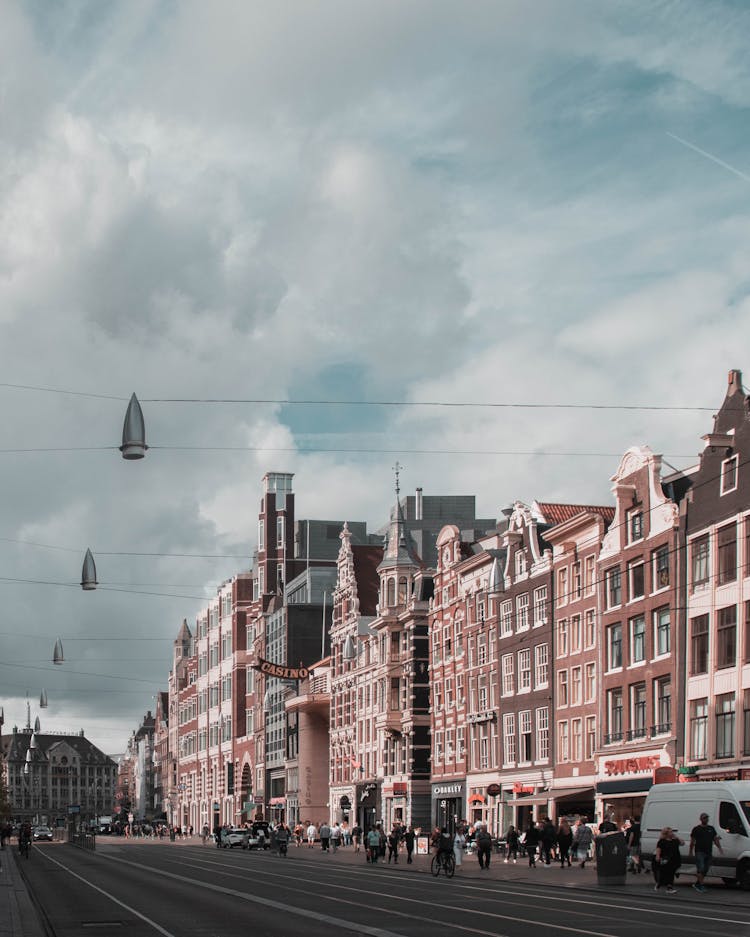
<point>436,649</point>
<point>635,525</point>
<point>458,637</point>
<point>575,634</point>
<point>261,534</point>
<point>661,632</point>
<point>729,819</point>
<point>541,665</point>
<point>746,723</point>
<point>563,741</point>
<point>727,554</point>
<point>481,649</point>
<point>660,568</point>
<point>562,637</point>
<point>439,747</point>
<point>575,686</point>
<point>450,698</point>
<point>636,580</point>
<point>589,575</point>
<point>637,711</point>
<point>482,695</point>
<point>279,531</point>
<point>700,564</point>
<point>576,584</point>
<point>699,645</point>
<point>613,587</point>
<point>590,682</point>
<point>460,743</point>
<point>522,612</point>
<point>725,725</point>
<point>562,586</point>
<point>589,635</point>
<point>637,639</point>
<point>480,607</point>
<point>663,705</point>
<point>729,475</point>
<point>520,562</point>
<point>698,726</point>
<point>542,733</point>
<point>614,716</point>
<point>726,637</point>
<point>524,669</point>
<point>524,728</point>
<point>506,619</point>
<point>614,646</point>
<point>590,736</point>
<point>507,675</point>
<point>509,738</point>
<point>576,740</point>
<point>562,688</point>
<point>540,606</point>
<point>447,643</point>
<point>460,692</point>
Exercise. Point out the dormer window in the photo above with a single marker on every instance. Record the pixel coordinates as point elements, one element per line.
<point>520,562</point>
<point>729,475</point>
<point>635,525</point>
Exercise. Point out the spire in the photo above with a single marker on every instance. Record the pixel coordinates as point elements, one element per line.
<point>397,549</point>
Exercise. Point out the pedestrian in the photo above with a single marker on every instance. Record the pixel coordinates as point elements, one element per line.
<point>325,836</point>
<point>394,838</point>
<point>582,840</point>
<point>607,825</point>
<point>298,833</point>
<point>312,832</point>
<point>373,845</point>
<point>548,837</point>
<point>409,837</point>
<point>564,842</point>
<point>335,837</point>
<point>667,859</point>
<point>483,842</point>
<point>459,845</point>
<point>511,844</point>
<point>357,836</point>
<point>346,833</point>
<point>282,838</point>
<point>531,841</point>
<point>633,841</point>
<point>703,838</point>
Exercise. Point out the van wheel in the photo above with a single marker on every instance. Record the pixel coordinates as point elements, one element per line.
<point>743,876</point>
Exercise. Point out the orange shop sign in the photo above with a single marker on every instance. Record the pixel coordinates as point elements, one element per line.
<point>631,765</point>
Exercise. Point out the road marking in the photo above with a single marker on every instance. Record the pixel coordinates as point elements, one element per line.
<point>117,901</point>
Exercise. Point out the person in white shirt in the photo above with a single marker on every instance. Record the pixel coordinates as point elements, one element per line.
<point>311,834</point>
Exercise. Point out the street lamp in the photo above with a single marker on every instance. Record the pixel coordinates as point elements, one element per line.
<point>133,432</point>
<point>88,573</point>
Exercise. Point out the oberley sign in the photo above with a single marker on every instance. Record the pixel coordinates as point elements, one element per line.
<point>277,670</point>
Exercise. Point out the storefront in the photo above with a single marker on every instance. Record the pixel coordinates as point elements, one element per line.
<point>448,804</point>
<point>623,783</point>
<point>369,805</point>
<point>395,803</point>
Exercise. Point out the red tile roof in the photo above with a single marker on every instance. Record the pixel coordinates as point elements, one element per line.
<point>558,513</point>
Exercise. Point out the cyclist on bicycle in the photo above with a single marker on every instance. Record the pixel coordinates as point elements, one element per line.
<point>442,842</point>
<point>24,837</point>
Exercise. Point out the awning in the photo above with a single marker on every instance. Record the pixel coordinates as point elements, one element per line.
<point>566,793</point>
<point>625,786</point>
<point>476,798</point>
<point>277,802</point>
<point>531,799</point>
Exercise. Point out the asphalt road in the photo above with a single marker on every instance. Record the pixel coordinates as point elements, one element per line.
<point>194,891</point>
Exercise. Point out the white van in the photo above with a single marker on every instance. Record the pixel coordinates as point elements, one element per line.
<point>727,804</point>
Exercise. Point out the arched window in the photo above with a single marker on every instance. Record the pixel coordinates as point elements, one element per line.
<point>403,592</point>
<point>391,592</point>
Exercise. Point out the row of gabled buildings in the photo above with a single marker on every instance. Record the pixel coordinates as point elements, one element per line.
<point>559,660</point>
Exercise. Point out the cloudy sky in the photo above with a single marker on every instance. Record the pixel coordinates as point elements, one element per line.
<point>444,202</point>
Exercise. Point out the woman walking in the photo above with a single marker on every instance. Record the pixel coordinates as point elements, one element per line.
<point>459,844</point>
<point>531,841</point>
<point>582,838</point>
<point>667,859</point>
<point>564,842</point>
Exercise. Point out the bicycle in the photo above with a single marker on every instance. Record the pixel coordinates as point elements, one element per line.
<point>24,847</point>
<point>445,861</point>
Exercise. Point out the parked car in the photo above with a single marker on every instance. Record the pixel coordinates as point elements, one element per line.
<point>42,832</point>
<point>234,837</point>
<point>727,804</point>
<point>259,836</point>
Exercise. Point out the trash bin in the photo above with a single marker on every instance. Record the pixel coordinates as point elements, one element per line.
<point>611,858</point>
<point>172,834</point>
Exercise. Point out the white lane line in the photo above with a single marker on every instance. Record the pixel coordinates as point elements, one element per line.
<point>359,903</point>
<point>699,913</point>
<point>112,898</point>
<point>268,902</point>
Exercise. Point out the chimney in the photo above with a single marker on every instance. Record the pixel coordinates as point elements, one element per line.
<point>734,382</point>
<point>418,505</point>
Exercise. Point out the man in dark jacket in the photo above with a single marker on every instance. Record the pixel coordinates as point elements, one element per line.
<point>483,842</point>
<point>549,839</point>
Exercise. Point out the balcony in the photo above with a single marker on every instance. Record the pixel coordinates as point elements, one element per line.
<point>664,728</point>
<point>612,738</point>
<point>639,733</point>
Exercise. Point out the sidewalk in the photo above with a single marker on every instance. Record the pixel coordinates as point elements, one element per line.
<point>18,916</point>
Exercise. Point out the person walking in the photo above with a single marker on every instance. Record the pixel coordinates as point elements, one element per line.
<point>633,841</point>
<point>312,832</point>
<point>409,838</point>
<point>325,836</point>
<point>511,844</point>
<point>582,840</point>
<point>483,842</point>
<point>373,845</point>
<point>459,845</point>
<point>607,825</point>
<point>667,859</point>
<point>394,838</point>
<point>357,836</point>
<point>564,842</point>
<point>336,837</point>
<point>548,836</point>
<point>531,841</point>
<point>703,838</point>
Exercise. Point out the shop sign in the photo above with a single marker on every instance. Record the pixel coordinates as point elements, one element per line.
<point>631,765</point>
<point>399,787</point>
<point>519,788</point>
<point>474,718</point>
<point>277,670</point>
<point>494,790</point>
<point>665,775</point>
<point>447,790</point>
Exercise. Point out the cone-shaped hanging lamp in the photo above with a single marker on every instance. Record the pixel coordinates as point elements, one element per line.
<point>57,655</point>
<point>133,432</point>
<point>88,573</point>
<point>43,699</point>
<point>33,743</point>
